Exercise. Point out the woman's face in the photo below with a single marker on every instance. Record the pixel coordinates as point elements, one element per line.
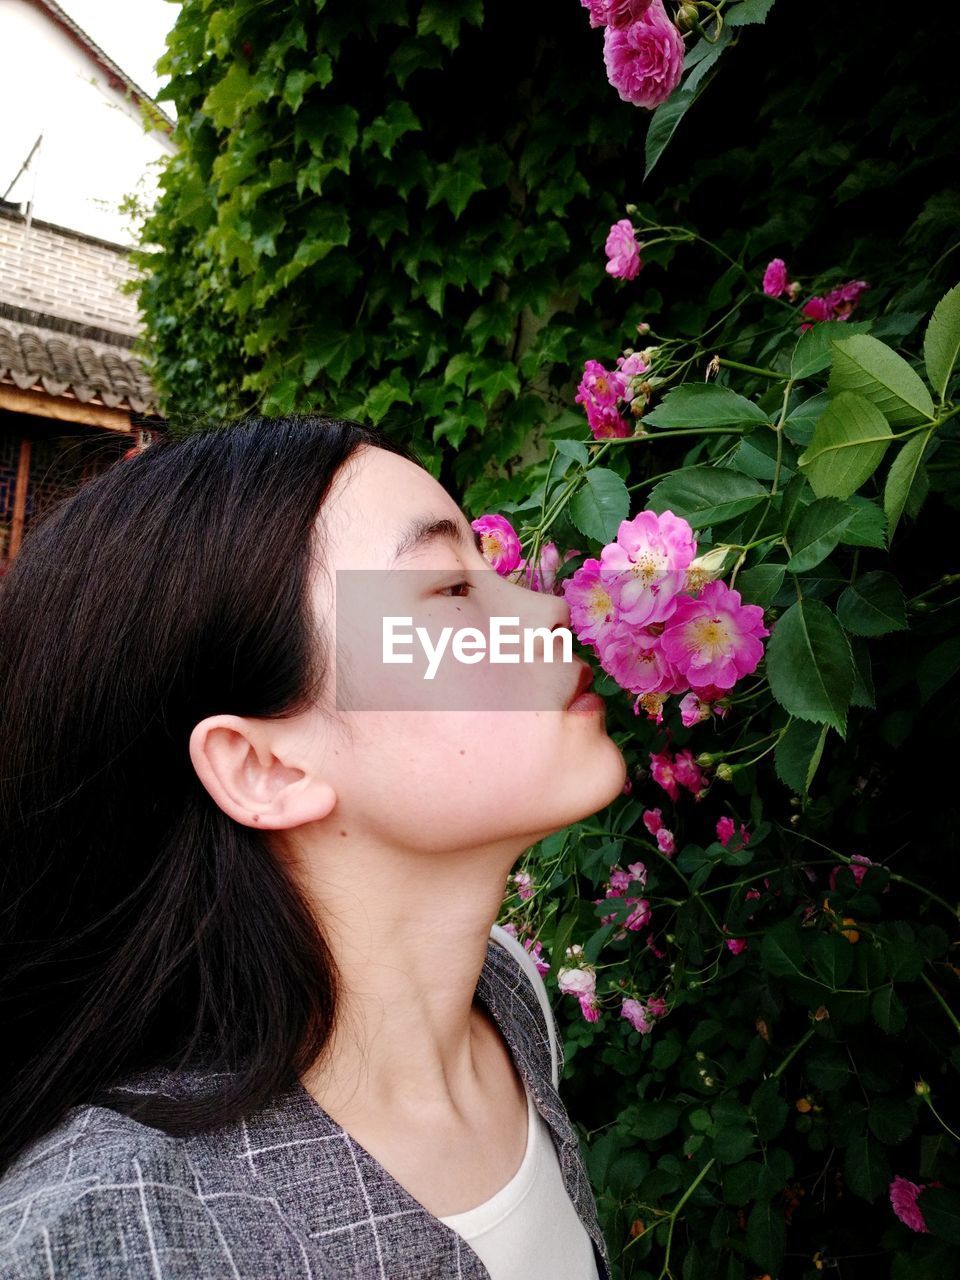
<point>479,754</point>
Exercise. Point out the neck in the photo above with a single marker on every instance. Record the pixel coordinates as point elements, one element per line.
<point>409,935</point>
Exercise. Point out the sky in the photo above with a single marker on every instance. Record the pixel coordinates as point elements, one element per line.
<point>131,32</point>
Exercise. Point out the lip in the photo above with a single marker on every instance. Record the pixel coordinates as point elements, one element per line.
<point>584,680</point>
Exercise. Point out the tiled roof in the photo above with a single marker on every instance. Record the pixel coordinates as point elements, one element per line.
<point>61,363</point>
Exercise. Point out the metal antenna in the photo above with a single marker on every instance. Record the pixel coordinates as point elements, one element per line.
<point>24,167</point>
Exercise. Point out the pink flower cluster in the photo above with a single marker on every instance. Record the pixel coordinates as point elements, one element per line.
<point>617,887</point>
<point>653,821</point>
<point>835,305</point>
<point>674,772</point>
<point>579,979</point>
<point>640,1016</point>
<point>858,871</point>
<point>535,949</point>
<point>726,829</point>
<point>642,48</point>
<point>601,392</point>
<point>631,606</point>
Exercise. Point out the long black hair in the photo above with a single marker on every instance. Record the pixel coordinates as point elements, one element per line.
<point>141,925</point>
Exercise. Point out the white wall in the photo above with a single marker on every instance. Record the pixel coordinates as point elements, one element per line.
<point>94,150</point>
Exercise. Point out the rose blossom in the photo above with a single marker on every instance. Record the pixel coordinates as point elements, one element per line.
<point>623,251</point>
<point>635,1014</point>
<point>592,605</point>
<point>499,543</point>
<point>903,1199</point>
<point>714,639</point>
<point>646,565</point>
<point>577,982</point>
<point>644,61</point>
<point>775,279</point>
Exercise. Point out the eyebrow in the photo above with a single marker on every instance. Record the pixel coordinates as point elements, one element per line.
<point>426,529</point>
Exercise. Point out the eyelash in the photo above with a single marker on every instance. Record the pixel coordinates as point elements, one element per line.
<point>453,586</point>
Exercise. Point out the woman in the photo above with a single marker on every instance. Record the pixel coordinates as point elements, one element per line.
<point>261,1018</point>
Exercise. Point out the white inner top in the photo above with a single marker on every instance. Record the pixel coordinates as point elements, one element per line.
<point>529,1229</point>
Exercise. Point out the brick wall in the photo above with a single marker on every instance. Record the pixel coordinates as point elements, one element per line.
<point>63,273</point>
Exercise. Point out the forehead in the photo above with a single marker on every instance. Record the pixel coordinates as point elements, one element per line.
<point>370,507</point>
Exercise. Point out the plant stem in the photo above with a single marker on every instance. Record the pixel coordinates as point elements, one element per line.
<point>752,368</point>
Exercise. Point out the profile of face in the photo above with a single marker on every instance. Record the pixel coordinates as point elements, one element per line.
<point>486,757</point>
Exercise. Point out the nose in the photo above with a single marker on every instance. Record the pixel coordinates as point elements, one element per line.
<point>539,609</point>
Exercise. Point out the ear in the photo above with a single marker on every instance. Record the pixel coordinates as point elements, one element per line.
<point>237,761</point>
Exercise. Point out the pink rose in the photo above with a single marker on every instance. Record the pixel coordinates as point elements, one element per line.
<point>499,542</point>
<point>644,61</point>
<point>615,13</point>
<point>903,1200</point>
<point>620,13</point>
<point>775,279</point>
<point>623,251</point>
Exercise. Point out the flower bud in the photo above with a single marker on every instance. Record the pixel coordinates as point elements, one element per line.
<point>686,16</point>
<point>631,209</point>
<point>725,771</point>
<point>921,1088</point>
<point>709,1081</point>
<point>700,1056</point>
<point>643,328</point>
<point>705,759</point>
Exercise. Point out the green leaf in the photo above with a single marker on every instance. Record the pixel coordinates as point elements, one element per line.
<point>747,12</point>
<point>699,66</point>
<point>699,405</point>
<point>849,440</point>
<point>443,18</point>
<point>766,1235</point>
<point>797,754</point>
<point>706,495</point>
<point>384,132</point>
<point>873,605</point>
<point>575,449</point>
<point>732,1143</point>
<point>760,584</point>
<point>869,368</point>
<point>385,394</point>
<point>809,664</point>
<point>818,530</point>
<point>491,379</point>
<point>333,351</point>
<point>891,1120</point>
<point>663,125</point>
<point>906,485</point>
<point>868,524</point>
<point>941,1212</point>
<point>600,504</point>
<point>865,1168</point>
<point>457,182</point>
<point>832,959</point>
<point>769,1109</point>
<point>814,350</point>
<point>652,1120</point>
<point>781,952</point>
<point>227,100</point>
<point>941,342</point>
<point>887,1009</point>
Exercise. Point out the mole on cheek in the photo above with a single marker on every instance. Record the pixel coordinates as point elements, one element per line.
<point>343,833</point>
<point>463,751</point>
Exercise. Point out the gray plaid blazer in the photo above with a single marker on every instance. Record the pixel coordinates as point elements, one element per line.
<point>285,1194</point>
